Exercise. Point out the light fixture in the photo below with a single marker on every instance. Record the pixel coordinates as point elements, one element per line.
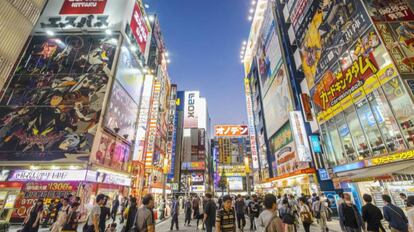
<point>133,48</point>
<point>151,18</point>
<point>250,18</point>
<point>251,10</point>
<point>108,32</point>
<point>244,42</point>
<point>32,167</point>
<point>49,32</point>
<point>146,6</point>
<point>166,54</point>
<point>168,61</point>
<point>73,167</point>
<point>54,167</point>
<point>253,2</point>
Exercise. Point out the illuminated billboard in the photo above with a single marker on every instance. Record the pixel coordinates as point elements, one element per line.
<point>191,101</point>
<point>231,130</point>
<point>301,138</point>
<point>235,183</point>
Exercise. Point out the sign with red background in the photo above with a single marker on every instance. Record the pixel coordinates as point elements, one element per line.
<point>83,7</point>
<point>139,27</point>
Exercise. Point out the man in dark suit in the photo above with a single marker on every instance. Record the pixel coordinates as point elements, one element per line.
<point>371,215</point>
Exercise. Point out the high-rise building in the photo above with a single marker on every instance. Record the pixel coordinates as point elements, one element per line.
<point>353,60</point>
<point>192,149</point>
<point>231,151</point>
<point>17,21</point>
<point>70,111</point>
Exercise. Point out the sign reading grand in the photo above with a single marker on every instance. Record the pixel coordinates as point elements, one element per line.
<point>191,109</point>
<point>231,130</point>
<point>83,7</point>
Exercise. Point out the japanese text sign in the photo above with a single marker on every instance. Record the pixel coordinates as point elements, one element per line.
<point>139,27</point>
<point>231,130</point>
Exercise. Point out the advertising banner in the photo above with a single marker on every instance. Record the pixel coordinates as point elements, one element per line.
<point>269,54</point>
<point>76,15</point>
<point>252,130</point>
<point>300,136</point>
<point>111,152</point>
<point>153,122</point>
<point>51,108</point>
<point>139,27</point>
<point>282,137</point>
<point>197,177</point>
<point>193,166</point>
<point>129,73</point>
<point>235,183</point>
<point>191,109</point>
<point>49,191</point>
<point>277,102</point>
<point>121,114</point>
<point>395,23</point>
<point>333,28</point>
<point>231,130</point>
<point>232,170</point>
<point>353,78</point>
<point>48,175</point>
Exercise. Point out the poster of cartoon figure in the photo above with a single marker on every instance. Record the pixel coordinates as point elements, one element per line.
<point>52,105</point>
<point>111,152</point>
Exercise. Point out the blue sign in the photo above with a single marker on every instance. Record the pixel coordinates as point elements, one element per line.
<point>323,174</point>
<point>348,167</point>
<point>315,143</point>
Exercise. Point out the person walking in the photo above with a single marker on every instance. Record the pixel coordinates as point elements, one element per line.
<point>319,209</point>
<point>253,210</point>
<point>161,209</point>
<point>33,218</point>
<point>124,206</point>
<point>209,213</point>
<point>105,215</point>
<point>240,207</point>
<point>196,210</point>
<point>92,224</point>
<point>226,218</point>
<point>372,215</point>
<point>410,213</point>
<point>268,220</point>
<point>130,213</point>
<point>395,216</point>
<point>115,206</point>
<point>187,211</point>
<point>175,208</point>
<point>144,219</point>
<point>61,216</point>
<point>287,215</point>
<point>72,220</point>
<point>305,213</point>
<point>350,219</point>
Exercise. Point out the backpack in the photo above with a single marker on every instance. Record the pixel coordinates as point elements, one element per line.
<point>274,225</point>
<point>287,217</point>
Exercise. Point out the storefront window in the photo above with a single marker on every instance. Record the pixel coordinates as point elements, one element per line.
<point>386,121</point>
<point>357,132</point>
<point>402,106</point>
<point>336,142</point>
<point>346,139</point>
<point>329,151</point>
<point>369,125</point>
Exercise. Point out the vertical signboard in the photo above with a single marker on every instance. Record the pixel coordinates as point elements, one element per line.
<point>171,127</point>
<point>299,133</point>
<point>139,27</point>
<point>153,121</point>
<point>250,120</point>
<point>191,109</point>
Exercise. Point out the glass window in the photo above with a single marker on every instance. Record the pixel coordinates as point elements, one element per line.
<point>402,106</point>
<point>329,150</point>
<point>346,139</point>
<point>369,125</point>
<point>386,122</point>
<point>336,142</point>
<point>357,132</point>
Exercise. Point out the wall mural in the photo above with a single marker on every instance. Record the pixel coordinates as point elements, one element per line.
<point>52,105</point>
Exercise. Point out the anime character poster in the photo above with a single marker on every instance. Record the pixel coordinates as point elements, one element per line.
<point>111,152</point>
<point>121,114</point>
<point>52,105</point>
<point>333,28</point>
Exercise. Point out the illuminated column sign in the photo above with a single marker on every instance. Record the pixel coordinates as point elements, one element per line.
<point>250,119</point>
<point>171,130</point>
<point>152,132</point>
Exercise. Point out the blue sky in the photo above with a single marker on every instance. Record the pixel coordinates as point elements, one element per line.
<point>204,38</point>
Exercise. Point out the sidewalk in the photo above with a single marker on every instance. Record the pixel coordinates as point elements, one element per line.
<point>332,225</point>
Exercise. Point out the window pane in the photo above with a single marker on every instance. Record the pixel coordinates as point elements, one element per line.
<point>370,127</point>
<point>346,139</point>
<point>329,151</point>
<point>386,122</point>
<point>336,142</point>
<point>402,106</point>
<point>357,132</point>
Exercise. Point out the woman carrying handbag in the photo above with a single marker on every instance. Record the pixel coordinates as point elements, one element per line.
<point>72,220</point>
<point>305,214</point>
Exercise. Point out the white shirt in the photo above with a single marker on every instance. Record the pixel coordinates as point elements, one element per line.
<point>410,216</point>
<point>263,219</point>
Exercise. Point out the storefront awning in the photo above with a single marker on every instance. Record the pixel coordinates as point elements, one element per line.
<point>400,168</point>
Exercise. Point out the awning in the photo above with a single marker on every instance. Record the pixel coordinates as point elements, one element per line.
<point>400,168</point>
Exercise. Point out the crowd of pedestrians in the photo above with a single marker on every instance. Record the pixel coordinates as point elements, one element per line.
<point>266,213</point>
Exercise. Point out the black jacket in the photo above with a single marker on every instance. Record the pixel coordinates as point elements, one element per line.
<point>372,215</point>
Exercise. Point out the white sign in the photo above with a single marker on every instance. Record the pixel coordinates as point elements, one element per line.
<point>66,15</point>
<point>116,179</point>
<point>301,138</point>
<point>191,111</point>
<point>198,188</point>
<point>235,183</point>
<point>252,130</point>
<point>48,175</point>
